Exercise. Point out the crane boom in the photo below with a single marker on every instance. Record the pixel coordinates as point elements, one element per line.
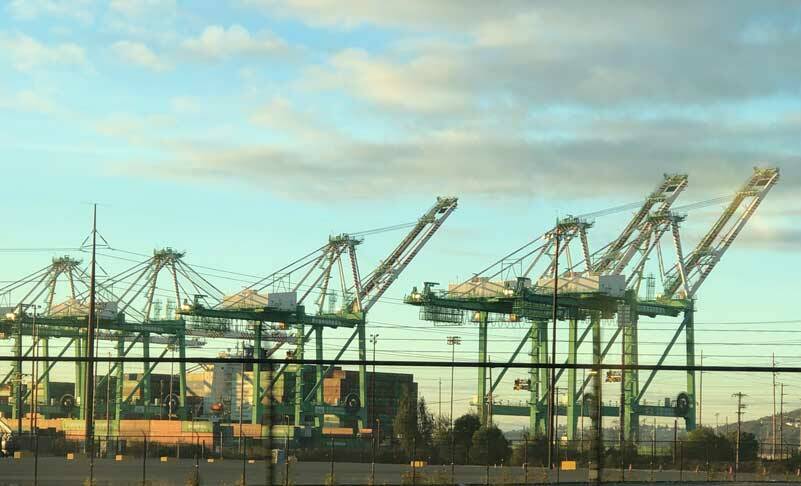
<point>374,286</point>
<point>616,258</point>
<point>713,245</point>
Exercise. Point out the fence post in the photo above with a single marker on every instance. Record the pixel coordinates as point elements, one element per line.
<point>525,462</point>
<point>453,456</point>
<point>244,458</point>
<point>372,459</point>
<point>332,459</point>
<point>91,452</point>
<point>197,466</point>
<point>36,462</point>
<point>414,460</point>
<point>144,461</point>
<point>486,460</point>
<point>706,451</point>
<point>557,462</point>
<point>286,463</point>
<point>681,460</point>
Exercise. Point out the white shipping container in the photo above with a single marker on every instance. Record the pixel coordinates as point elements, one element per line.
<point>612,285</point>
<point>283,300</point>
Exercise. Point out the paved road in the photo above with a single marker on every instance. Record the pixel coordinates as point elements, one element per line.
<point>58,471</point>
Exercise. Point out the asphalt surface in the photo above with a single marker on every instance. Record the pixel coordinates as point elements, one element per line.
<point>58,471</point>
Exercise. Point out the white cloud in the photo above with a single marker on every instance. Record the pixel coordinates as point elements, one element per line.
<point>422,84</point>
<point>184,104</point>
<point>31,9</point>
<point>139,54</point>
<point>547,55</point>
<point>216,42</point>
<point>27,53</point>
<point>28,101</point>
<point>410,14</point>
<point>135,128</point>
<point>302,127</point>
<point>136,8</point>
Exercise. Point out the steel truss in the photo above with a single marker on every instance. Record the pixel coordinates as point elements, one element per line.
<point>322,279</point>
<point>504,291</point>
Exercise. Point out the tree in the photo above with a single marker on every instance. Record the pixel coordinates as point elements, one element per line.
<point>441,438</point>
<point>703,443</point>
<point>536,454</point>
<point>749,445</point>
<point>463,429</point>
<point>404,427</point>
<point>489,446</point>
<point>425,423</point>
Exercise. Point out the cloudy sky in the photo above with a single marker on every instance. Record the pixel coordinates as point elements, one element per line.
<point>246,131</point>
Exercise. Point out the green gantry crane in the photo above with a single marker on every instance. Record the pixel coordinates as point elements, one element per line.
<point>602,285</point>
<point>281,300</point>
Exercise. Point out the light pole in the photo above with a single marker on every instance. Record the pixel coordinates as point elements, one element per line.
<point>453,341</point>
<point>108,402</point>
<point>34,373</point>
<point>286,453</point>
<point>373,341</point>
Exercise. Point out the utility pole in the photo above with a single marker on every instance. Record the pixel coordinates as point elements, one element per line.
<point>622,418</point>
<point>773,417</point>
<point>108,402</point>
<point>701,394</point>
<point>552,387</point>
<point>34,376</point>
<point>490,400</point>
<point>439,401</point>
<point>781,422</point>
<point>89,394</point>
<point>453,341</point>
<point>740,408</point>
<point>373,341</point>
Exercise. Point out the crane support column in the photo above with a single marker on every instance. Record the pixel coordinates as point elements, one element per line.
<point>258,409</point>
<point>182,377</point>
<point>16,385</point>
<point>299,354</point>
<point>362,375</point>
<point>542,330</point>
<point>572,412</point>
<point>534,381</point>
<point>318,374</point>
<point>689,337</point>
<point>596,404</point>
<point>120,377</point>
<point>80,368</point>
<point>482,369</point>
<point>45,379</point>
<point>145,374</point>
<point>627,317</point>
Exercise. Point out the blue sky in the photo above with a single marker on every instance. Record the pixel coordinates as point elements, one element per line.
<point>247,131</point>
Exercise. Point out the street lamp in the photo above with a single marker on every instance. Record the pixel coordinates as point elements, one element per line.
<point>34,373</point>
<point>373,341</point>
<point>453,341</point>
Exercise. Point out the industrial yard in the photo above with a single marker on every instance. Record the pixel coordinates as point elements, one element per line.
<point>316,242</point>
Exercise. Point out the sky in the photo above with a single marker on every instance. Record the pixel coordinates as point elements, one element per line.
<point>246,131</point>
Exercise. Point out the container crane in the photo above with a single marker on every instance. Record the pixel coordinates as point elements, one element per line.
<point>313,274</point>
<point>709,251</point>
<point>492,295</point>
<point>687,276</point>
